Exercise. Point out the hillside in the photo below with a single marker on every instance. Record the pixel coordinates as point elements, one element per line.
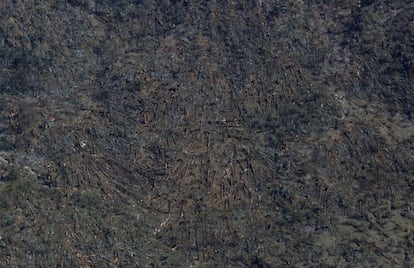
<point>182,133</point>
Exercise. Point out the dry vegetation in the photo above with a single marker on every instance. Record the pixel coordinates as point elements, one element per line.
<point>206,133</point>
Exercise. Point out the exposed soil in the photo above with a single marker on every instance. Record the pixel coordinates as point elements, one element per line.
<point>174,133</point>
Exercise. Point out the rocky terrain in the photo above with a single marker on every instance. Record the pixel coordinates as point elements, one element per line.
<point>172,133</point>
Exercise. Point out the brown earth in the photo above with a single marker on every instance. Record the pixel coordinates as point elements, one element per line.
<point>176,133</point>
